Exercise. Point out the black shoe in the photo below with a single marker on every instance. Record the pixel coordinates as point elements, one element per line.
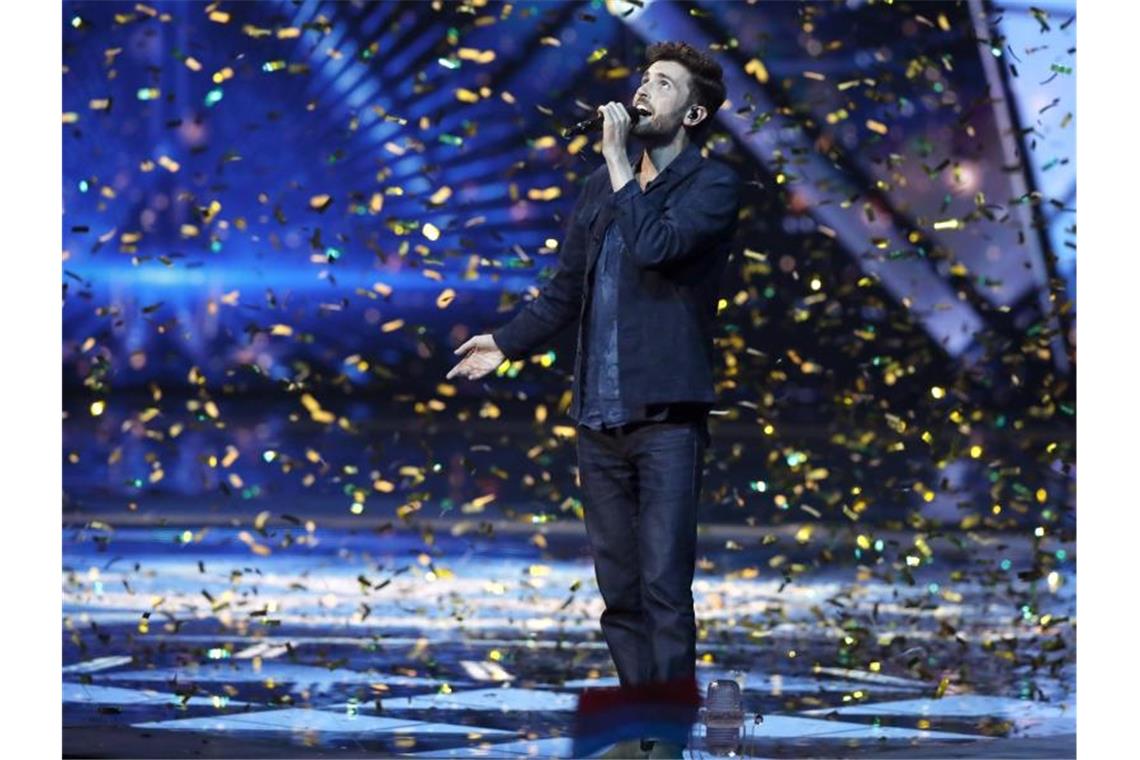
<point>667,750</point>
<point>624,750</point>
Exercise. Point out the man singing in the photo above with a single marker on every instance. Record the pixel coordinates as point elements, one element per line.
<point>640,266</point>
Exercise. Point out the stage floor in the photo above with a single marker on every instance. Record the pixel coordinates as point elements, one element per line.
<point>304,641</point>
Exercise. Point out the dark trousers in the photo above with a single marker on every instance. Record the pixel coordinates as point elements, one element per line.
<point>641,484</point>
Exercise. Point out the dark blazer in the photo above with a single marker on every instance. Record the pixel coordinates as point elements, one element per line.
<point>677,233</point>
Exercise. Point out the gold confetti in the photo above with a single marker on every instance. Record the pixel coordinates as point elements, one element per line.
<point>478,56</point>
<point>259,549</point>
<point>211,211</point>
<point>544,194</point>
<point>315,411</point>
<point>756,68</point>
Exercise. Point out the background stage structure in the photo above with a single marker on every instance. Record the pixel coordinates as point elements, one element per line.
<point>280,218</point>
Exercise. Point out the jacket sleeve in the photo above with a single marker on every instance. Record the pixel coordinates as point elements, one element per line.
<point>560,301</point>
<point>688,225</point>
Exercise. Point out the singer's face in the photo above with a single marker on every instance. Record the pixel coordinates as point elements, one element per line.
<point>664,91</point>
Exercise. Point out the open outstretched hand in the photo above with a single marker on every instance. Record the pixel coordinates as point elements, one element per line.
<point>480,356</point>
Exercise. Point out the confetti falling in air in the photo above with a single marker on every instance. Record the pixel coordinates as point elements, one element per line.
<point>273,245</point>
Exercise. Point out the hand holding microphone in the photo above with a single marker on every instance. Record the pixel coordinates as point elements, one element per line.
<point>616,125</point>
<point>597,122</point>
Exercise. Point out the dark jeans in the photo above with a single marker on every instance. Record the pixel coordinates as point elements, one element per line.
<point>641,484</point>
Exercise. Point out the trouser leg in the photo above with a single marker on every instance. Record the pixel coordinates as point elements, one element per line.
<point>610,504</point>
<point>669,459</point>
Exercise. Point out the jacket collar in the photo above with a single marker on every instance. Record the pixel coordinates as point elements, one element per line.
<point>681,166</point>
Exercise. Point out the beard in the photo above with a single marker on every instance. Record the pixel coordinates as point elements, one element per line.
<point>650,132</point>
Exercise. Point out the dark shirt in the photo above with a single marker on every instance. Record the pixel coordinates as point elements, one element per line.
<point>602,404</point>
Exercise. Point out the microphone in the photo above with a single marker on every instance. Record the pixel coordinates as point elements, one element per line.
<point>590,125</point>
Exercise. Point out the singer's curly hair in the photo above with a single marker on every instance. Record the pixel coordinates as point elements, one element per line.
<point>707,79</point>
